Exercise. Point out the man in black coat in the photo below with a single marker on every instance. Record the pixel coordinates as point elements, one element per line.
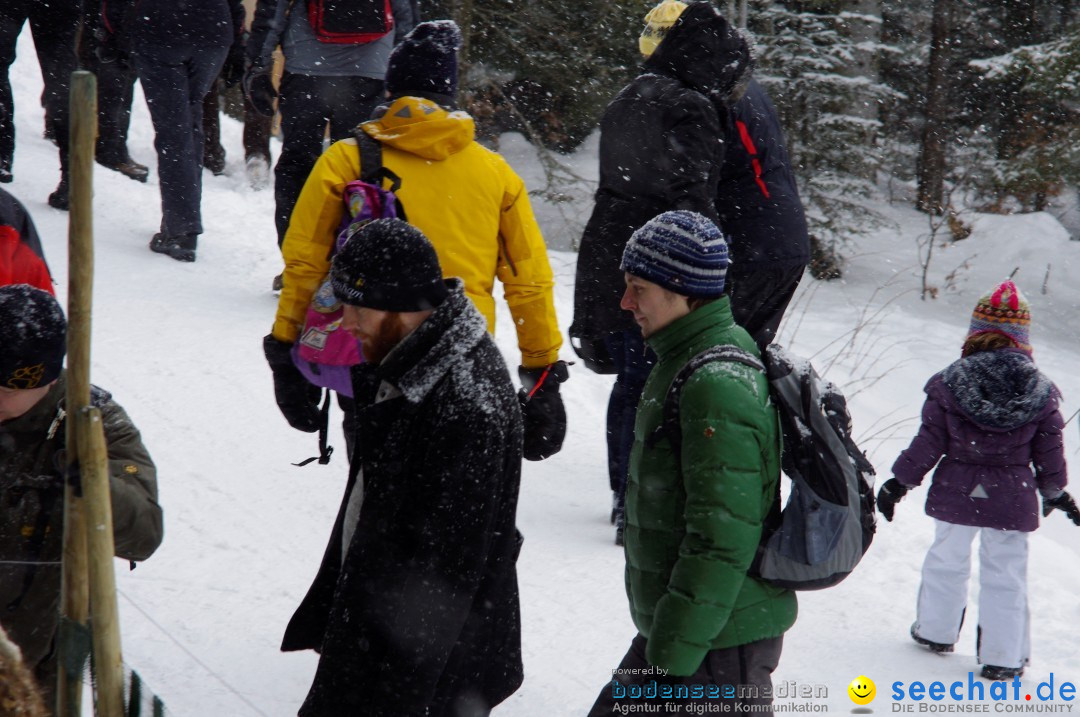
<point>414,610</point>
<point>661,148</point>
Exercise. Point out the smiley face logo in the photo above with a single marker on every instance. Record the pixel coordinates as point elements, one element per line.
<point>862,690</point>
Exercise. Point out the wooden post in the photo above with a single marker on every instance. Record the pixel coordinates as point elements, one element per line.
<point>105,622</point>
<point>74,588</point>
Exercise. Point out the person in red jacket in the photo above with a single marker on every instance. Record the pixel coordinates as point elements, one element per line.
<point>21,258</point>
<point>19,264</point>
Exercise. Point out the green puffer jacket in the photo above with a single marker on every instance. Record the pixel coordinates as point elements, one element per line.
<point>693,525</point>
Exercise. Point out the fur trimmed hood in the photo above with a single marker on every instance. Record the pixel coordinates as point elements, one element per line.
<point>998,389</point>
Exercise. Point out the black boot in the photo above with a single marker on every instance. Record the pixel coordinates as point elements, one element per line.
<point>181,248</point>
<point>60,199</point>
<point>939,647</point>
<point>993,672</point>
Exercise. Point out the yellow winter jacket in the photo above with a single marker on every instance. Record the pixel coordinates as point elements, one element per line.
<point>466,199</point>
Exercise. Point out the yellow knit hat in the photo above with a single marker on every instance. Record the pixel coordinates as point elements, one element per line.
<point>657,22</point>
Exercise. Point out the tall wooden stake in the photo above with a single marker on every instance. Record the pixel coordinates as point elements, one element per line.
<point>108,666</point>
<point>74,588</point>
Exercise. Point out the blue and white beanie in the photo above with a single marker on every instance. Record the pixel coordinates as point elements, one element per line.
<point>684,252</point>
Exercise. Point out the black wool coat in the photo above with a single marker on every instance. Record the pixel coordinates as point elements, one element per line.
<point>422,616</point>
<point>662,144</point>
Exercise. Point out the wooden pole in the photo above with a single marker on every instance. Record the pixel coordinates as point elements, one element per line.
<point>105,622</point>
<point>74,587</point>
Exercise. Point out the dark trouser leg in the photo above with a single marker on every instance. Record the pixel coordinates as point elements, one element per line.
<point>213,152</point>
<point>11,21</point>
<point>747,666</point>
<point>633,362</point>
<point>760,297</point>
<point>303,124</point>
<point>256,133</point>
<point>175,82</point>
<point>55,26</point>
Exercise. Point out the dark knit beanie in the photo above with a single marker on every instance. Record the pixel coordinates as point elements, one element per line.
<point>388,265</point>
<point>425,63</point>
<point>682,251</point>
<point>32,337</point>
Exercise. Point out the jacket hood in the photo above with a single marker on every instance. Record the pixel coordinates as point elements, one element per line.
<point>998,389</point>
<point>706,53</point>
<point>420,126</point>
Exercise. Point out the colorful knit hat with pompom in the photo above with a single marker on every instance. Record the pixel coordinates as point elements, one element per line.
<point>1003,311</point>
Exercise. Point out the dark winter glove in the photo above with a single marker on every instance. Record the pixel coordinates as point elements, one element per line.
<point>296,397</point>
<point>259,89</point>
<point>232,71</point>
<point>890,494</point>
<point>542,408</point>
<point>112,48</point>
<point>1065,504</point>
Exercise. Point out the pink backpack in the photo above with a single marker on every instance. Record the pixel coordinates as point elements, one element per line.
<point>324,353</point>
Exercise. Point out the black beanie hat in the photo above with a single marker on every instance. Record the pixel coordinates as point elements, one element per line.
<point>33,335</point>
<point>388,265</point>
<point>425,63</point>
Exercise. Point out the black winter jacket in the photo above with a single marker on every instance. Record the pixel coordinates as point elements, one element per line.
<point>422,617</point>
<point>175,23</point>
<point>661,148</point>
<point>757,198</point>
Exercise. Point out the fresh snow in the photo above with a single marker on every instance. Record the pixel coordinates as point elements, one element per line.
<point>179,345</point>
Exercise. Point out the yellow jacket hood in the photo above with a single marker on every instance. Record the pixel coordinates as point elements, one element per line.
<point>421,127</point>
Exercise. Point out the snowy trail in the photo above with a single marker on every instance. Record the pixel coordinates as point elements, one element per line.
<point>180,347</point>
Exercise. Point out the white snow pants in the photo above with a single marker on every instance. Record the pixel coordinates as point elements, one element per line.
<point>1005,635</point>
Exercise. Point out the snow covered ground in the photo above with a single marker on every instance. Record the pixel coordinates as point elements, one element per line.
<point>179,346</point>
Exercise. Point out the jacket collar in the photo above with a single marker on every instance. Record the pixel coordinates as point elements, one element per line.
<point>437,347</point>
<point>683,332</point>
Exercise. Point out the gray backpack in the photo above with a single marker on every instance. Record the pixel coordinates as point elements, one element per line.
<point>818,538</point>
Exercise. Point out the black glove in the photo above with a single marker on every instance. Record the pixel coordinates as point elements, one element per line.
<point>890,494</point>
<point>232,71</point>
<point>112,48</point>
<point>297,398</point>
<point>259,89</point>
<point>542,408</point>
<point>1065,504</point>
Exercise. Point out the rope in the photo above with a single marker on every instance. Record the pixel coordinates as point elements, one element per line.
<point>30,562</point>
<point>190,654</point>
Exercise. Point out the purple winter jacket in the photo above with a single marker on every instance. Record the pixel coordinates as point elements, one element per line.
<point>988,418</point>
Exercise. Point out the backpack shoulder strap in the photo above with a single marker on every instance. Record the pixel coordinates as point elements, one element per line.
<point>669,423</point>
<point>372,170</point>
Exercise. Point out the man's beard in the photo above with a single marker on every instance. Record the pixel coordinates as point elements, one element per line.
<point>388,334</point>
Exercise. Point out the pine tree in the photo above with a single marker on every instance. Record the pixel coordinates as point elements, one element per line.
<point>819,61</point>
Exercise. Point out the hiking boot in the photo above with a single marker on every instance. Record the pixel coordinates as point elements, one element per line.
<point>938,647</point>
<point>993,672</point>
<point>214,160</point>
<point>278,283</point>
<point>181,248</point>
<point>257,169</point>
<point>127,167</point>
<point>60,199</point>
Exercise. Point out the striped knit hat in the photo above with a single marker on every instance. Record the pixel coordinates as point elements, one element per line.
<point>1003,311</point>
<point>682,251</point>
